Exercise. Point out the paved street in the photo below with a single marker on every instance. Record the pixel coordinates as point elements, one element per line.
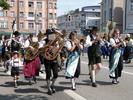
<point>104,91</point>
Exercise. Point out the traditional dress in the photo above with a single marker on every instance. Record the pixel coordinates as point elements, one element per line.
<point>115,60</point>
<point>73,62</point>
<point>31,67</point>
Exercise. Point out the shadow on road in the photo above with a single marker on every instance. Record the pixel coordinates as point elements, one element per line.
<point>28,90</point>
<point>11,84</point>
<point>99,82</point>
<point>21,97</point>
<point>58,88</point>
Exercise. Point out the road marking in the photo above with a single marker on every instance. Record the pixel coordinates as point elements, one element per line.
<point>74,95</point>
<point>125,72</point>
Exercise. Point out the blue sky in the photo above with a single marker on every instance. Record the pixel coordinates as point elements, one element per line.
<point>66,5</point>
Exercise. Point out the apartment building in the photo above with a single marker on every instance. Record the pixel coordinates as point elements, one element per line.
<point>128,16</point>
<point>112,10</point>
<point>79,20</point>
<point>30,16</point>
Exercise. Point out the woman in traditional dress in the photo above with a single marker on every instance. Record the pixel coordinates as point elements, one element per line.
<point>115,59</point>
<point>31,67</point>
<point>73,61</point>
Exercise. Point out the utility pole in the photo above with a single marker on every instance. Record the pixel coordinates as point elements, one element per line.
<point>17,19</point>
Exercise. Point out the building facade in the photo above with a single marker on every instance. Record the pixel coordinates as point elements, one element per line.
<point>30,16</point>
<point>128,16</point>
<point>79,20</point>
<point>111,10</point>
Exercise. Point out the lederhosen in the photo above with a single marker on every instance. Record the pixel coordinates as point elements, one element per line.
<point>51,65</point>
<point>94,52</point>
<point>15,69</point>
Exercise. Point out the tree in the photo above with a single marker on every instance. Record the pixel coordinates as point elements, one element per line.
<point>4,5</point>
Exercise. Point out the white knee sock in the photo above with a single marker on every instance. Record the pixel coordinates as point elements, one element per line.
<point>93,76</point>
<point>73,82</point>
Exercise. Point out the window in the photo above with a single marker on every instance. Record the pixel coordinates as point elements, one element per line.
<point>131,5</point>
<point>31,14</point>
<point>1,13</point>
<point>21,14</point>
<point>39,26</point>
<point>50,15</point>
<point>3,24</point>
<point>55,6</point>
<point>50,5</point>
<point>12,14</point>
<point>50,25</point>
<point>55,16</point>
<point>21,4</point>
<point>39,5</point>
<point>21,26</point>
<point>39,14</point>
<point>31,4</point>
<point>12,3</point>
<point>31,25</point>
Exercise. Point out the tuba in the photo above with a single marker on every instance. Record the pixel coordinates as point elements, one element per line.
<point>32,54</point>
<point>53,47</point>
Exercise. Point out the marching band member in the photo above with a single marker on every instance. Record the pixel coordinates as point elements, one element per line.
<point>31,67</point>
<point>73,60</point>
<point>50,66</point>
<point>15,43</point>
<point>115,59</point>
<point>128,52</point>
<point>93,43</point>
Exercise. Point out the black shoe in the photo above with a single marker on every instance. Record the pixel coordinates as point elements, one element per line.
<point>91,78</point>
<point>49,92</point>
<point>30,83</point>
<point>53,89</point>
<point>94,85</point>
<point>73,88</point>
<point>114,82</point>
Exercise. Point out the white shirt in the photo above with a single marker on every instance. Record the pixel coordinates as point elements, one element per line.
<point>42,43</point>
<point>68,45</point>
<point>130,43</point>
<point>113,41</point>
<point>15,62</point>
<point>88,41</point>
<point>27,44</point>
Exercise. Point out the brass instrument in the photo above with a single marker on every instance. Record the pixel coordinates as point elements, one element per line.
<point>52,49</point>
<point>41,36</point>
<point>30,54</point>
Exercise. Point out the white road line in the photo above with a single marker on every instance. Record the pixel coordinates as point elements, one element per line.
<point>74,95</point>
<point>129,73</point>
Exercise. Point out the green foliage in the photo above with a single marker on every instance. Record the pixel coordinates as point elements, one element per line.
<point>4,4</point>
